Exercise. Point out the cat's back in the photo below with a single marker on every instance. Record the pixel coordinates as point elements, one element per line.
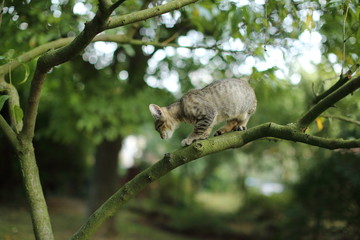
<point>227,87</point>
<point>228,97</point>
<point>228,91</point>
<point>231,96</point>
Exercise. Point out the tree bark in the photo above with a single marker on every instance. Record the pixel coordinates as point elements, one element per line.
<point>38,208</point>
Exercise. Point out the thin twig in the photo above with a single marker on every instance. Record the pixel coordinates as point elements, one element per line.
<point>9,133</point>
<point>116,5</point>
<point>170,39</point>
<point>32,54</point>
<point>342,118</point>
<point>123,20</point>
<point>344,33</point>
<point>33,103</point>
<point>14,104</point>
<point>1,11</point>
<point>328,102</point>
<point>342,80</point>
<point>266,25</point>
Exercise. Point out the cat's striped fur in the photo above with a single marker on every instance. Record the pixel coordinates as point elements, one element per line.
<point>231,100</point>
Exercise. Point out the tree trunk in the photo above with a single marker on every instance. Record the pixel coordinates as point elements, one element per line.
<point>104,179</point>
<point>34,193</point>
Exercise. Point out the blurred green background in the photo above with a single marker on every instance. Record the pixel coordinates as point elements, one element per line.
<point>94,131</point>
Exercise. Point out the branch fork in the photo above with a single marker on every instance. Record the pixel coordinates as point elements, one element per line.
<point>22,137</point>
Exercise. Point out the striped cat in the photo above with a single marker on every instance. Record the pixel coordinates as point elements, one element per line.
<point>231,100</point>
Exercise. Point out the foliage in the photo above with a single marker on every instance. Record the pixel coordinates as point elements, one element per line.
<point>335,210</point>
<point>92,105</point>
<point>106,96</point>
<point>341,22</point>
<point>35,25</point>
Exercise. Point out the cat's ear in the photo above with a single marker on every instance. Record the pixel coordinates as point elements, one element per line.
<point>155,111</point>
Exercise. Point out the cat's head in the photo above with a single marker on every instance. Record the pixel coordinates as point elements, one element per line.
<point>164,122</point>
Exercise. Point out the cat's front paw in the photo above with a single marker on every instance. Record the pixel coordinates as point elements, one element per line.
<point>187,142</point>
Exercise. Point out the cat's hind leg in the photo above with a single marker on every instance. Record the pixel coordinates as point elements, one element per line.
<point>237,124</point>
<point>231,124</point>
<point>242,122</point>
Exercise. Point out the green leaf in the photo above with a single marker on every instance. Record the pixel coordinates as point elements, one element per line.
<point>3,99</point>
<point>27,73</point>
<point>129,50</point>
<point>18,113</point>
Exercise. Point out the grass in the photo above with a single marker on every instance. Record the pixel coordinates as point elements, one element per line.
<point>67,216</point>
<point>15,224</point>
<point>132,226</point>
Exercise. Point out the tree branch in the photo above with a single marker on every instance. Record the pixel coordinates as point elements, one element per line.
<point>40,217</point>
<point>56,57</point>
<point>1,11</point>
<point>196,151</point>
<point>14,105</point>
<point>9,133</point>
<point>342,80</point>
<point>124,39</point>
<point>104,5</point>
<point>328,102</point>
<point>342,118</point>
<point>116,5</point>
<point>293,134</point>
<point>33,103</point>
<point>32,54</point>
<point>66,48</point>
<point>119,21</point>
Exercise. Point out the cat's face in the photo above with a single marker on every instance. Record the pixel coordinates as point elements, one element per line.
<point>163,122</point>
